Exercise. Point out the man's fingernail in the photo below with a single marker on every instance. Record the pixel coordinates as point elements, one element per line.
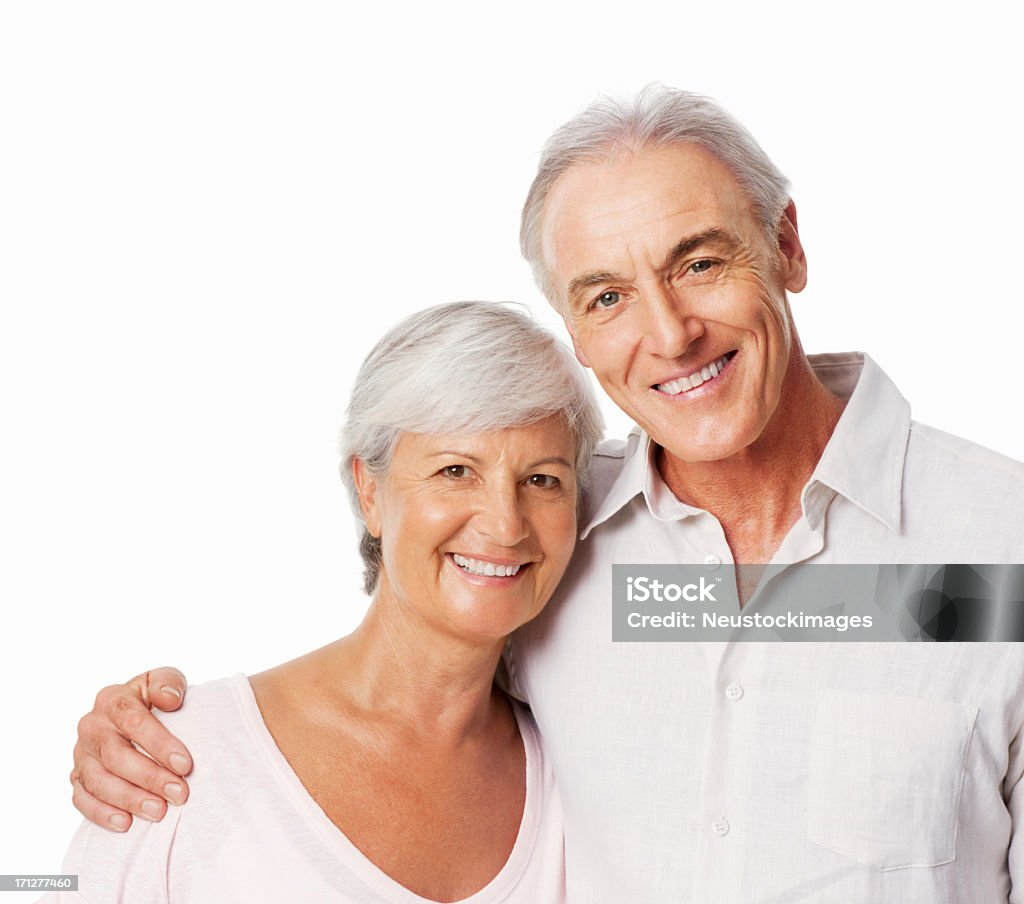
<point>179,762</point>
<point>151,809</point>
<point>170,689</point>
<point>119,821</point>
<point>173,792</point>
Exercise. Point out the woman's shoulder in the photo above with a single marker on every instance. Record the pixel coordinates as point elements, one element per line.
<point>216,723</point>
<point>206,708</point>
<point>220,723</point>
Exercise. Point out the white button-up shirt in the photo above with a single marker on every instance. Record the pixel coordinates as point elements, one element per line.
<point>737,773</point>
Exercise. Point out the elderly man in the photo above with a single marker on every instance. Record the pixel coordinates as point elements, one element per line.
<point>734,772</point>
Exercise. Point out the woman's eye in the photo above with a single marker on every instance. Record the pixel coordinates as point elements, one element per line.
<point>455,472</point>
<point>607,299</point>
<point>543,481</point>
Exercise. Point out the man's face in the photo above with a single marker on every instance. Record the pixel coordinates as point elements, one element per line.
<point>673,295</point>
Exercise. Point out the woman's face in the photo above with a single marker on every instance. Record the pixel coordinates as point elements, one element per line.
<point>476,528</point>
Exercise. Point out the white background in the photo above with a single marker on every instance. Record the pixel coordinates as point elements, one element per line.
<point>209,211</point>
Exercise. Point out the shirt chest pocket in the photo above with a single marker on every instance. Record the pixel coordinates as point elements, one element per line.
<point>885,774</point>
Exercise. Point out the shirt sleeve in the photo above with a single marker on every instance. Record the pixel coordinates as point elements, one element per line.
<point>120,868</point>
<point>1015,804</point>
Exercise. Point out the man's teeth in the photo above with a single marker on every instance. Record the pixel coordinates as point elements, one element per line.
<point>475,566</point>
<point>708,372</point>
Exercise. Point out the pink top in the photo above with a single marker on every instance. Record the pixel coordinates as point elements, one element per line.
<point>251,833</point>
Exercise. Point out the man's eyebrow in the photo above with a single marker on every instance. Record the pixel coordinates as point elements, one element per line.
<point>588,280</point>
<point>712,236</point>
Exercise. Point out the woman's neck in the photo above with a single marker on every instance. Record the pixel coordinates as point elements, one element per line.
<point>400,672</point>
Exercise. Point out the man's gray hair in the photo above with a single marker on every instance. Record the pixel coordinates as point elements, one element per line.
<point>659,116</point>
<point>464,367</point>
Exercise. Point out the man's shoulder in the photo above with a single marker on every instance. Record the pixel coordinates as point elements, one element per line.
<point>964,494</point>
<point>605,467</point>
<point>939,449</point>
<point>961,473</point>
<point>609,450</point>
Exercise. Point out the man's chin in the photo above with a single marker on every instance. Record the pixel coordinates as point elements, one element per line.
<point>686,449</point>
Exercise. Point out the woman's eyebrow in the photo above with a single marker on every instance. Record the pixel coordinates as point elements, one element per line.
<point>458,453</point>
<point>548,460</point>
<point>552,460</point>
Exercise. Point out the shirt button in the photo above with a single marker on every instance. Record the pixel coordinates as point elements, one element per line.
<point>711,562</point>
<point>720,826</point>
<point>734,691</point>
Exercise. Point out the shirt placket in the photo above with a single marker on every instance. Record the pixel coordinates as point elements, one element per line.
<point>736,675</point>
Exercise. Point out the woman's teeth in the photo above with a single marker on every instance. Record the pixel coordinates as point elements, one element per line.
<point>489,569</point>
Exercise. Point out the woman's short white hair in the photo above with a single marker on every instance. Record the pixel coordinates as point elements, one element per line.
<point>464,367</point>
<point>657,117</point>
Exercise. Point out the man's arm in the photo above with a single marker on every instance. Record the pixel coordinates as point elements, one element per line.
<point>111,779</point>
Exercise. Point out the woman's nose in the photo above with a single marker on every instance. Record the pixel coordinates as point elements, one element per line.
<point>501,517</point>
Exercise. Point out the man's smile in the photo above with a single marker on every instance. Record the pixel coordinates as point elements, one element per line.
<point>704,374</point>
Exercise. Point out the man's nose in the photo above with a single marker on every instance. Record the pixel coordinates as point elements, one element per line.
<point>500,517</point>
<point>668,327</point>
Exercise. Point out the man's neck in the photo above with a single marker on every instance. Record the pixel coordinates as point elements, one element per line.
<point>755,494</point>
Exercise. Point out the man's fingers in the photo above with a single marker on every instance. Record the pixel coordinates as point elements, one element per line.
<point>122,705</point>
<point>110,796</point>
<point>96,811</point>
<point>124,762</point>
<point>112,780</point>
<point>165,688</point>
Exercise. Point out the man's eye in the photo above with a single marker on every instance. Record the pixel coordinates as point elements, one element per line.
<point>607,299</point>
<point>543,481</point>
<point>701,266</point>
<point>455,472</point>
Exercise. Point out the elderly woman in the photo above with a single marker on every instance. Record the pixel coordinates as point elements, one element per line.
<point>386,766</point>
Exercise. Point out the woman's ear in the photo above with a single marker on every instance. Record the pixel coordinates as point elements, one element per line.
<point>366,488</point>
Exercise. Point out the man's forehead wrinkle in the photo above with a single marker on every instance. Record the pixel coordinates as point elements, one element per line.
<point>640,229</point>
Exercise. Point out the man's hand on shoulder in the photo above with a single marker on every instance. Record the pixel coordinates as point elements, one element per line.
<point>111,779</point>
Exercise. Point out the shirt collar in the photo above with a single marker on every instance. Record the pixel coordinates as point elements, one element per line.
<point>640,477</point>
<point>863,460</point>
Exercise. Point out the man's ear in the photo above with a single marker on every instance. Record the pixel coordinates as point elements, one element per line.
<point>580,356</point>
<point>793,259</point>
<point>366,488</point>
